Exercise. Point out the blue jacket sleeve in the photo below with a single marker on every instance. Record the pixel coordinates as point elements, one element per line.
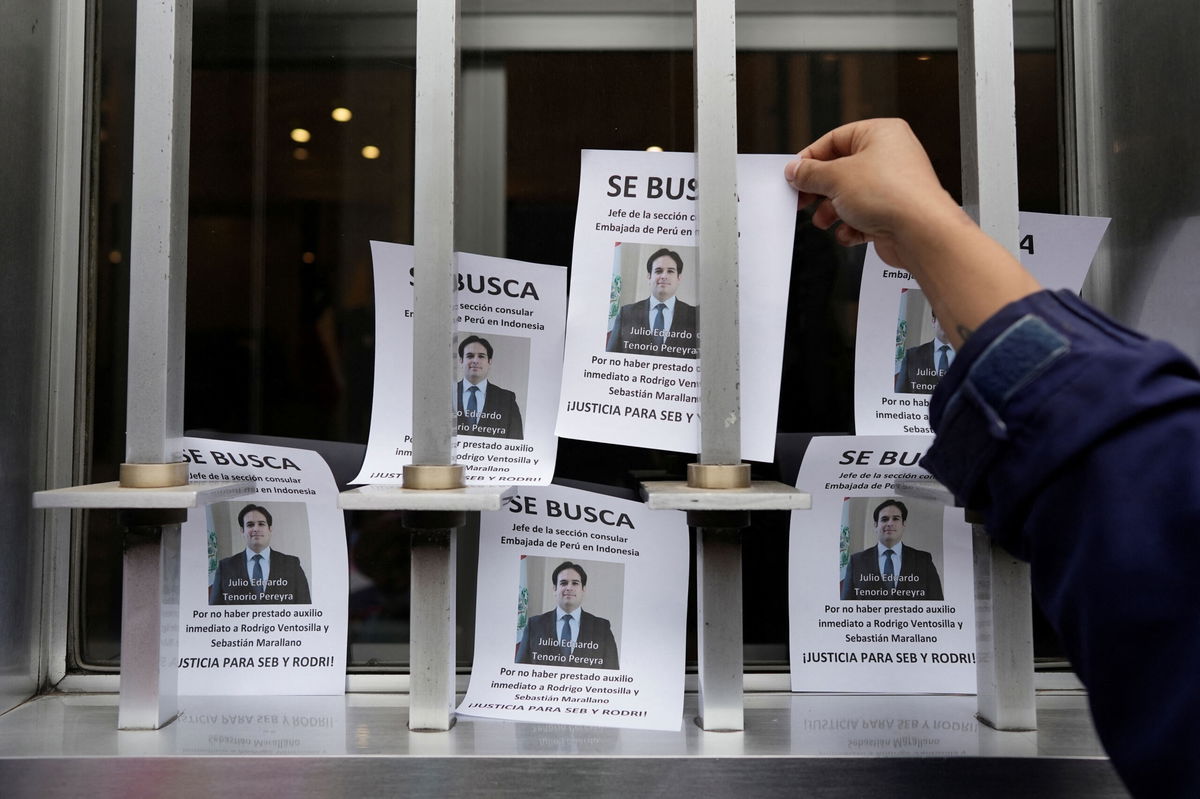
<point>1079,440</point>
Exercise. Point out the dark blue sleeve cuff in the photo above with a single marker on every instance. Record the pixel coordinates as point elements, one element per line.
<point>1035,385</point>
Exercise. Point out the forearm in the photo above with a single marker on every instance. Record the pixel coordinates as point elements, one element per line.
<point>966,275</point>
<point>1076,439</point>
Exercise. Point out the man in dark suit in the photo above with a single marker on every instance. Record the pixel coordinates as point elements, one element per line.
<point>569,635</point>
<point>891,570</point>
<point>923,365</point>
<point>661,324</point>
<point>259,574</point>
<point>483,408</point>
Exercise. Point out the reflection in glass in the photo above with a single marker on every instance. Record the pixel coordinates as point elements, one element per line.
<point>280,308</point>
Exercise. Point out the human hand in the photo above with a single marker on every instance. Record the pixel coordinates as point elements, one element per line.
<point>875,177</point>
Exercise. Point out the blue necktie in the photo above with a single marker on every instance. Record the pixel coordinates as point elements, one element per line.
<point>660,324</point>
<point>565,638</point>
<point>473,405</point>
<point>889,571</point>
<point>943,358</point>
<point>257,577</point>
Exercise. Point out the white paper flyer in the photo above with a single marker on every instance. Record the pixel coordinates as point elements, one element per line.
<point>882,587</point>
<point>901,351</point>
<point>631,374</point>
<point>263,583</point>
<point>581,612</point>
<point>508,359</point>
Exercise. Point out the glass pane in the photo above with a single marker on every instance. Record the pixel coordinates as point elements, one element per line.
<point>285,197</point>
<point>301,153</point>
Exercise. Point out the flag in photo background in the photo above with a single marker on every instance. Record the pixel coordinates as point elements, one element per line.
<point>522,601</point>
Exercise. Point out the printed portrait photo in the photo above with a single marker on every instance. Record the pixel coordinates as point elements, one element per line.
<point>258,553</point>
<point>890,549</point>
<point>923,350</point>
<point>493,384</point>
<point>569,612</point>
<point>652,302</point>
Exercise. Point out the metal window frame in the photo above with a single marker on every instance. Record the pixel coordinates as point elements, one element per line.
<point>62,401</point>
<point>523,32</point>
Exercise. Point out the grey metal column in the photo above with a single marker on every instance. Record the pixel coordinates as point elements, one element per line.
<point>434,499</point>
<point>718,537</point>
<point>149,620</point>
<point>431,640</point>
<point>1003,636</point>
<point>158,233</point>
<point>434,296</point>
<point>989,156</point>
<point>719,625</point>
<point>987,114</point>
<point>719,493</point>
<point>715,61</point>
<point>153,491</point>
<point>154,406</point>
<point>435,302</point>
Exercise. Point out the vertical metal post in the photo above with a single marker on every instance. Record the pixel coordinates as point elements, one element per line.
<point>987,105</point>
<point>717,237</point>
<point>718,541</point>
<point>435,301</point>
<point>1087,156</point>
<point>431,642</point>
<point>1003,636</point>
<point>154,406</point>
<point>434,298</point>
<point>988,125</point>
<point>149,621</point>
<point>158,233</point>
<point>719,635</point>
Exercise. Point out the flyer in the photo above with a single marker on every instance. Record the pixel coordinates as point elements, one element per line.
<point>617,572</point>
<point>902,352</point>
<point>631,371</point>
<point>508,353</point>
<point>263,578</point>
<point>882,587</point>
